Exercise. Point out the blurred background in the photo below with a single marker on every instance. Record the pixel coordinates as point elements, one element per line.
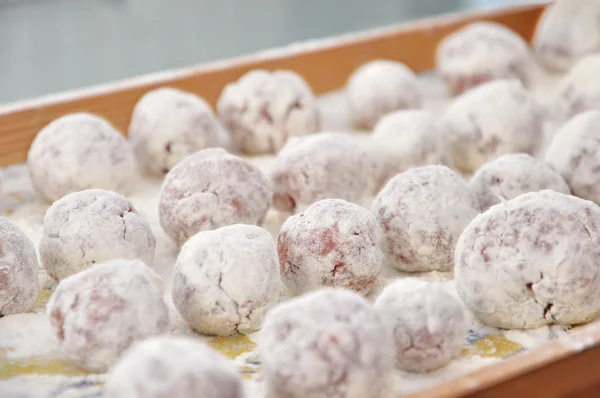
<point>55,45</point>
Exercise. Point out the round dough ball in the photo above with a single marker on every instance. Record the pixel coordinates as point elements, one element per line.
<point>512,175</point>
<point>579,90</point>
<point>380,87</point>
<point>493,119</point>
<point>18,270</point>
<point>91,227</point>
<point>168,124</point>
<point>422,213</point>
<point>482,52</point>
<point>332,244</point>
<point>575,154</point>
<point>409,138</point>
<point>329,343</point>
<point>532,261</point>
<point>212,189</point>
<point>226,280</point>
<point>320,166</point>
<point>566,31</point>
<point>79,151</point>
<point>172,367</point>
<point>263,109</point>
<point>428,324</point>
<point>96,314</point>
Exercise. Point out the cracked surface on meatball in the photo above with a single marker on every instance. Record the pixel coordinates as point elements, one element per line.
<point>532,261</point>
<point>96,314</point>
<point>263,109</point>
<point>91,227</point>
<point>226,280</point>
<point>212,189</point>
<point>79,151</point>
<point>327,344</point>
<point>333,243</point>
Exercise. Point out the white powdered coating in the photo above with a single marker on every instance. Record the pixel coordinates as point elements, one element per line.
<point>566,31</point>
<point>490,120</point>
<point>15,390</point>
<point>532,261</point>
<point>422,213</point>
<point>97,313</point>
<point>579,90</point>
<point>329,343</point>
<point>575,154</point>
<point>380,87</point>
<point>512,175</point>
<point>428,324</point>
<point>91,227</point>
<point>320,166</point>
<point>481,52</point>
<point>172,367</point>
<point>169,124</point>
<point>333,243</point>
<point>18,270</point>
<point>226,280</point>
<point>211,189</point>
<point>409,138</point>
<point>263,109</point>
<point>79,151</point>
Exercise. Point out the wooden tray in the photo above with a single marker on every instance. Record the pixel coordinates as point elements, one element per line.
<point>560,368</point>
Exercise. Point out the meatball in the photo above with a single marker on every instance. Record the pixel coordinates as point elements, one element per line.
<point>579,90</point>
<point>168,124</point>
<point>329,343</point>
<point>332,244</point>
<point>225,280</point>
<point>93,226</point>
<point>422,212</point>
<point>532,261</point>
<point>482,52</point>
<point>321,166</point>
<point>96,314</point>
<point>491,120</point>
<point>18,270</point>
<point>172,367</point>
<point>428,324</point>
<point>512,175</point>
<point>380,87</point>
<point>212,189</point>
<point>263,109</point>
<point>76,152</point>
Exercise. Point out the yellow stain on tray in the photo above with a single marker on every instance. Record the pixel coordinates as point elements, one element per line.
<point>493,346</point>
<point>232,347</point>
<point>41,300</point>
<point>37,365</point>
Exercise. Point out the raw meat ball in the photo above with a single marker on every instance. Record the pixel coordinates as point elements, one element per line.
<point>96,314</point>
<point>79,151</point>
<point>329,343</point>
<point>481,52</point>
<point>575,154</point>
<point>428,324</point>
<point>409,138</point>
<point>168,124</point>
<point>172,367</point>
<point>18,270</point>
<point>226,280</point>
<point>380,87</point>
<point>532,261</point>
<point>512,175</point>
<point>211,189</point>
<point>566,31</point>
<point>93,226</point>
<point>579,90</point>
<point>332,244</point>
<point>263,109</point>
<point>321,166</point>
<point>493,119</point>
<point>422,213</point>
